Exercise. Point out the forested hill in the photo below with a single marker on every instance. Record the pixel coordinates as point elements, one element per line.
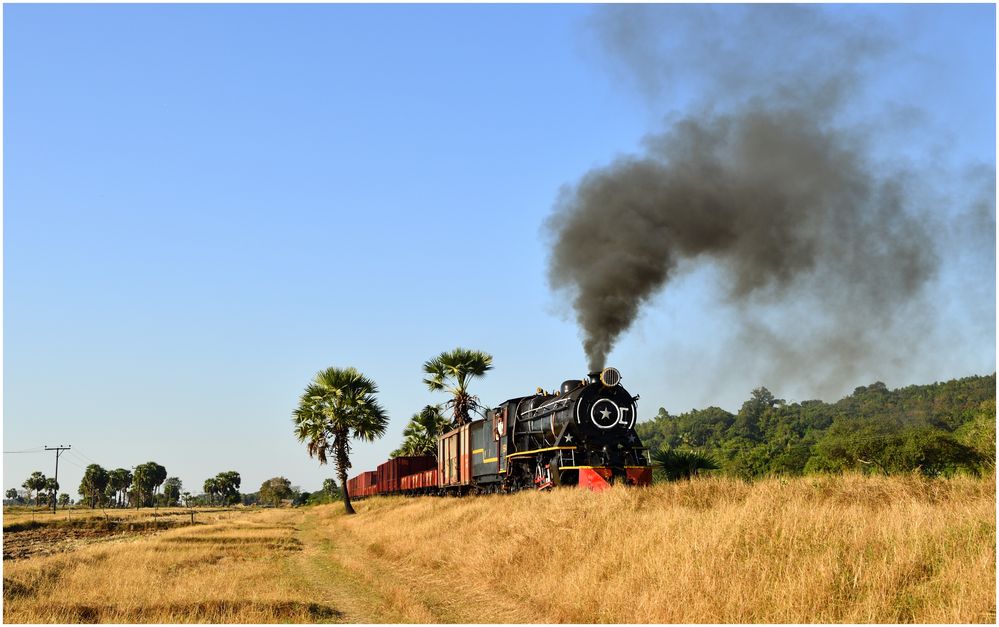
<point>936,429</point>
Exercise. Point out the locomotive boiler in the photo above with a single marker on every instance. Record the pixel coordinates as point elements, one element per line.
<point>581,434</point>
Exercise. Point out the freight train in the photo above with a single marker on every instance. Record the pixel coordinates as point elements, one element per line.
<point>582,434</point>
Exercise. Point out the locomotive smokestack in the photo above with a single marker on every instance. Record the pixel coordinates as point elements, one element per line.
<point>762,184</point>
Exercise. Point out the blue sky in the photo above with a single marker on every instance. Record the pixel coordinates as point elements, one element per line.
<point>206,204</point>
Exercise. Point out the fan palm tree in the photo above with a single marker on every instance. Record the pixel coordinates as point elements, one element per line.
<point>119,480</point>
<point>337,406</point>
<point>420,435</point>
<point>95,481</point>
<point>451,372</point>
<point>677,465</point>
<point>159,476</point>
<point>52,486</point>
<point>35,483</point>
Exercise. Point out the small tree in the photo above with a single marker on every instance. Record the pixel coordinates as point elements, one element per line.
<point>35,483</point>
<point>92,486</point>
<point>145,480</point>
<point>274,490</point>
<point>11,494</point>
<point>171,491</point>
<point>330,489</point>
<point>211,488</point>
<point>51,487</point>
<point>675,465</point>
<point>980,434</point>
<point>227,487</point>
<point>420,435</point>
<point>119,481</point>
<point>159,475</point>
<point>64,500</point>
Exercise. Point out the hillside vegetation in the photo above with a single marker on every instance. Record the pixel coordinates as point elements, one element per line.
<point>845,548</point>
<point>936,429</point>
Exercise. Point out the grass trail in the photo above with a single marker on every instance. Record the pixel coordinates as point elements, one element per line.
<point>375,587</point>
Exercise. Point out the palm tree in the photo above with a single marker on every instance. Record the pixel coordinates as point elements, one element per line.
<point>451,372</point>
<point>52,486</point>
<point>676,464</point>
<point>337,406</point>
<point>35,483</point>
<point>420,435</point>
<point>119,480</point>
<point>146,478</point>
<point>95,480</point>
<point>159,475</point>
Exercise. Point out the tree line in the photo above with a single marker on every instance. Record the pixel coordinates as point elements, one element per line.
<point>146,485</point>
<point>278,491</point>
<point>938,429</point>
<point>340,405</point>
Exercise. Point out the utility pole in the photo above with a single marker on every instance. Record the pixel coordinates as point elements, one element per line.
<point>58,449</point>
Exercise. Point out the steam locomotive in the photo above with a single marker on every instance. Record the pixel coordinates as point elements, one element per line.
<point>579,435</point>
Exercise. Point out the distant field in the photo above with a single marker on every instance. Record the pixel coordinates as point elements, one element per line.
<point>30,532</point>
<point>20,515</point>
<point>838,549</point>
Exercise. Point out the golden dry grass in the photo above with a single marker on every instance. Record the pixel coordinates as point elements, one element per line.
<point>830,549</point>
<point>836,549</point>
<point>232,570</point>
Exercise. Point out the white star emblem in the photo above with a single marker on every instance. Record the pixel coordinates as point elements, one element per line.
<point>631,437</point>
<point>568,437</point>
<point>602,415</point>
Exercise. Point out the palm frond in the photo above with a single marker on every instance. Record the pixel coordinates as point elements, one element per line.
<point>338,404</point>
<point>681,464</point>
<point>452,371</point>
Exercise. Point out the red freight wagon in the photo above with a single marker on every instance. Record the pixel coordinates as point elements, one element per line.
<point>369,483</point>
<point>419,481</point>
<point>427,478</point>
<point>364,484</point>
<point>390,473</point>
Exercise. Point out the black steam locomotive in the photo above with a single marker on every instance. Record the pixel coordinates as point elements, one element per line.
<point>582,434</point>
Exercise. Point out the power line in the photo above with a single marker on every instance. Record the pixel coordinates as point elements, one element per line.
<point>79,457</point>
<point>37,449</point>
<point>71,462</point>
<point>87,457</point>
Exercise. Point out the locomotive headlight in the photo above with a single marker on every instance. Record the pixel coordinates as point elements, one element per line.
<point>610,377</point>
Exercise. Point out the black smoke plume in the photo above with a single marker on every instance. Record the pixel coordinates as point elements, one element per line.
<point>762,174</point>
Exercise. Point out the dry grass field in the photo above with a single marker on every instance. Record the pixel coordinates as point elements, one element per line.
<point>830,549</point>
<point>22,515</point>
